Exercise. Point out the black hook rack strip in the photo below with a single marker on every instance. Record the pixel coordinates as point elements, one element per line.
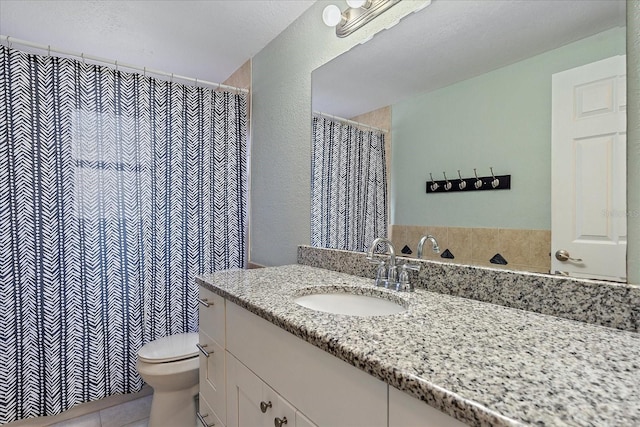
<point>504,183</point>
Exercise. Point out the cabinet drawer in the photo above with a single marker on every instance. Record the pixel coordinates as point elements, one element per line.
<point>208,417</point>
<point>212,315</point>
<point>212,376</point>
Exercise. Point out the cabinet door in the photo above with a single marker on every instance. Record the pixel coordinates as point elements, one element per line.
<point>244,394</point>
<point>212,375</point>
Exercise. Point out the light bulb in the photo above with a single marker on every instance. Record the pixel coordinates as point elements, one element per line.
<point>331,15</point>
<point>355,4</point>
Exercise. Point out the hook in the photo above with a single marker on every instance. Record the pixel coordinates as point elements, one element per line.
<point>144,71</point>
<point>196,82</point>
<point>9,44</point>
<point>434,185</point>
<point>116,62</point>
<point>49,50</point>
<point>478,182</point>
<point>171,80</point>
<point>447,185</point>
<point>82,56</point>
<point>495,181</point>
<point>463,184</point>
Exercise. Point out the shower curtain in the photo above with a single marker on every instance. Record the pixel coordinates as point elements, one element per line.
<point>115,191</point>
<point>348,186</point>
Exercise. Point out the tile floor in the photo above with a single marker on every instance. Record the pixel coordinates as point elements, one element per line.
<point>129,414</point>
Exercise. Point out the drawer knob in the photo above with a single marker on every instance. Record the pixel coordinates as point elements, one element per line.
<point>203,351</point>
<point>265,405</point>
<point>201,418</point>
<point>204,302</point>
<point>278,422</point>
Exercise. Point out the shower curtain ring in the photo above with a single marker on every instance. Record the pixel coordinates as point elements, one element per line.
<point>49,50</point>
<point>9,44</point>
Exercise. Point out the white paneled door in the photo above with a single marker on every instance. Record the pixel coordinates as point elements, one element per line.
<point>588,172</point>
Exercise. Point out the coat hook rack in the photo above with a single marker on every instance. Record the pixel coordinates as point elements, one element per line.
<point>476,183</point>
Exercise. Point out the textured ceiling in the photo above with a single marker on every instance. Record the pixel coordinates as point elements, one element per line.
<point>208,40</point>
<point>450,41</point>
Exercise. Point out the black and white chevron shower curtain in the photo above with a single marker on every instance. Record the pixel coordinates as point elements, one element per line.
<point>348,186</point>
<point>115,191</point>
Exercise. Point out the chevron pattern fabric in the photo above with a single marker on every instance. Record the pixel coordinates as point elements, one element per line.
<point>115,191</point>
<point>348,186</point>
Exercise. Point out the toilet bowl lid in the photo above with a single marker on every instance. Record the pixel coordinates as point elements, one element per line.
<point>170,349</point>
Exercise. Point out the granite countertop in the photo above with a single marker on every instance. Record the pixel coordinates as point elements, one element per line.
<point>481,363</point>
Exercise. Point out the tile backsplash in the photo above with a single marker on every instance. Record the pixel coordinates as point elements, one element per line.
<point>524,250</point>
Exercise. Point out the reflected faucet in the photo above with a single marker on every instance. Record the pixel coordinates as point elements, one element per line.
<point>434,245</point>
<point>391,276</point>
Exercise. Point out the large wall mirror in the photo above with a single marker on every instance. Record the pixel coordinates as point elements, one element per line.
<point>464,85</point>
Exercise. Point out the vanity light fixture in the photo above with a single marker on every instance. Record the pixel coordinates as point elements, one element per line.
<point>355,16</point>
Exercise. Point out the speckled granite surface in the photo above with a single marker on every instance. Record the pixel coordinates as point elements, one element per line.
<point>483,364</point>
<point>604,303</point>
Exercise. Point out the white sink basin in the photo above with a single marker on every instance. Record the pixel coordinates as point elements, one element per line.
<point>351,304</point>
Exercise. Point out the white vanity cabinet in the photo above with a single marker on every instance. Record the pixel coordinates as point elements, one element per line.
<point>328,391</point>
<point>212,399</point>
<point>257,374</point>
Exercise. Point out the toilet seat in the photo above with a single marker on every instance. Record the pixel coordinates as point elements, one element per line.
<point>170,349</point>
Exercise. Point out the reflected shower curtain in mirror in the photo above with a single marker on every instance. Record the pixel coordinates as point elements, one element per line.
<point>348,186</point>
<point>115,191</point>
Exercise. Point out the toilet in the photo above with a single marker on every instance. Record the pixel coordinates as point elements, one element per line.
<point>170,366</point>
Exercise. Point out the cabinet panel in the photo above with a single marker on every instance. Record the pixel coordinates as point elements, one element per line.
<point>407,411</point>
<point>244,394</point>
<point>302,421</point>
<point>212,317</point>
<point>324,388</point>
<point>212,375</point>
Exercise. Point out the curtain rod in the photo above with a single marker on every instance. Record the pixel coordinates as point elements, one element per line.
<point>48,48</point>
<point>341,119</point>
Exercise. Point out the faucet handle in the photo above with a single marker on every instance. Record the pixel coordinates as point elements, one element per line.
<point>403,280</point>
<point>381,274</point>
<point>408,266</point>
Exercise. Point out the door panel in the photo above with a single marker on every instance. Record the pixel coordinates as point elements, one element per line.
<point>588,218</point>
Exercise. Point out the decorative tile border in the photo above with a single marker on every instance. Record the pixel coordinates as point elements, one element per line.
<point>603,303</point>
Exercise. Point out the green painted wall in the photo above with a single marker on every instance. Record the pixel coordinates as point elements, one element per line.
<point>500,119</point>
<point>280,197</point>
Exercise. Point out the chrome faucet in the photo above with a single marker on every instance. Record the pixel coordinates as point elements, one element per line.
<point>434,245</point>
<point>384,276</point>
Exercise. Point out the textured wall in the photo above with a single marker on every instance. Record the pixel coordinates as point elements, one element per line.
<point>281,129</point>
<point>633,140</point>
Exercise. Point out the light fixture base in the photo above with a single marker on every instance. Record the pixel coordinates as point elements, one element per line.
<point>356,18</point>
